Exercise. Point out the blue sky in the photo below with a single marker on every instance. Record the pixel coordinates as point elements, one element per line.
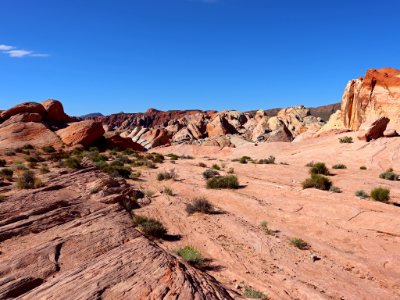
<point>127,55</point>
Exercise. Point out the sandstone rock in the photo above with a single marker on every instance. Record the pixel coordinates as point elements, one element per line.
<point>378,94</point>
<point>219,141</point>
<point>62,243</point>
<point>390,133</point>
<point>84,133</point>
<point>27,107</point>
<point>55,111</point>
<point>17,134</point>
<point>220,126</point>
<point>116,141</point>
<point>373,128</point>
<point>282,134</point>
<point>154,138</point>
<point>335,123</point>
<point>24,118</point>
<point>182,136</point>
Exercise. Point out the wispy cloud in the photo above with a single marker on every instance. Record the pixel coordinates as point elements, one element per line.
<point>12,51</point>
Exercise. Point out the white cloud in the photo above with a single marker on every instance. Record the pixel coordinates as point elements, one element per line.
<point>12,51</point>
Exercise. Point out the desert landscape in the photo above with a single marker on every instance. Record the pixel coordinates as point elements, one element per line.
<point>289,203</point>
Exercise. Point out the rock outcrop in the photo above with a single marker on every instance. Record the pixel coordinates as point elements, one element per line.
<point>55,111</point>
<point>63,241</point>
<point>373,128</point>
<point>83,133</point>
<point>116,141</point>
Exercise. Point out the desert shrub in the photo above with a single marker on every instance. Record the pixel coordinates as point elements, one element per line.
<point>299,243</point>
<point>7,173</point>
<point>135,175</point>
<point>268,161</point>
<point>96,157</point>
<point>20,166</point>
<point>156,157</point>
<point>200,205</point>
<point>149,226</point>
<point>363,168</point>
<point>310,164</point>
<point>2,163</point>
<point>28,147</point>
<point>210,173</point>
<point>48,149</point>
<point>339,166</point>
<point>319,168</point>
<point>389,175</point>
<point>129,204</point>
<point>186,157</point>
<point>27,180</point>
<point>264,227</point>
<point>149,193</point>
<point>9,153</point>
<point>203,165</point>
<point>318,182</point>
<point>72,162</point>
<point>168,191</point>
<point>44,169</point>
<point>244,159</point>
<point>230,171</point>
<point>335,189</point>
<point>191,255</point>
<point>223,182</point>
<point>346,140</point>
<point>117,171</point>
<point>167,175</point>
<point>380,194</point>
<point>19,150</point>
<point>129,151</point>
<point>252,293</point>
<point>173,156</point>
<point>216,167</point>
<point>362,194</point>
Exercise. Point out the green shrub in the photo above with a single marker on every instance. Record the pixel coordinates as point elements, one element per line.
<point>319,168</point>
<point>191,255</point>
<point>167,175</point>
<point>268,161</point>
<point>244,159</point>
<point>149,226</point>
<point>216,167</point>
<point>9,153</point>
<point>129,204</point>
<point>27,180</point>
<point>362,194</point>
<point>210,173</point>
<point>346,140</point>
<point>252,293</point>
<point>72,163</point>
<point>168,191</point>
<point>117,171</point>
<point>203,165</point>
<point>156,157</point>
<point>20,166</point>
<point>223,182</point>
<point>48,149</point>
<point>173,156</point>
<point>300,244</point>
<point>380,194</point>
<point>389,175</point>
<point>363,168</point>
<point>231,171</point>
<point>2,163</point>
<point>28,147</point>
<point>200,205</point>
<point>7,173</point>
<point>339,166</point>
<point>186,157</point>
<point>318,182</point>
<point>335,189</point>
<point>264,227</point>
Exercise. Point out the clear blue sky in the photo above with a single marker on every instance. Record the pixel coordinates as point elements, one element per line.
<point>127,55</point>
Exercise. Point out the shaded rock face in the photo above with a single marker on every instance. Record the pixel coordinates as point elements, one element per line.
<point>373,128</point>
<point>55,111</point>
<point>83,133</point>
<point>375,95</point>
<point>69,242</point>
<point>26,107</point>
<point>116,141</point>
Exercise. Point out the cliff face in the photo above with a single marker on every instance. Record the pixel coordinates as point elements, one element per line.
<point>375,95</point>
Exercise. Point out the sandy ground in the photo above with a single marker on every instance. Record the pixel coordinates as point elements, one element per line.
<point>357,241</point>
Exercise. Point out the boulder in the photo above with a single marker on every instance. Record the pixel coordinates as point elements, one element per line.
<point>182,136</point>
<point>373,128</point>
<point>116,141</point>
<point>220,126</point>
<point>24,118</point>
<point>154,138</point>
<point>26,107</point>
<point>282,134</point>
<point>83,133</point>
<point>55,111</point>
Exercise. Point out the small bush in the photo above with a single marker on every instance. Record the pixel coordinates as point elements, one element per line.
<point>318,182</point>
<point>264,227</point>
<point>168,191</point>
<point>346,140</point>
<point>223,182</point>
<point>20,166</point>
<point>300,244</point>
<point>9,153</point>
<point>200,205</point>
<point>203,165</point>
<point>319,168</point>
<point>186,157</point>
<point>339,166</point>
<point>167,175</point>
<point>389,175</point>
<point>231,171</point>
<point>252,293</point>
<point>28,147</point>
<point>380,194</point>
<point>156,157</point>
<point>73,163</point>
<point>191,255</point>
<point>210,173</point>
<point>173,156</point>
<point>7,173</point>
<point>117,171</point>
<point>363,168</point>
<point>149,193</point>
<point>28,181</point>
<point>48,149</point>
<point>268,161</point>
<point>216,167</point>
<point>362,194</point>
<point>335,189</point>
<point>128,204</point>
<point>2,163</point>
<point>310,164</point>
<point>244,159</point>
<point>149,226</point>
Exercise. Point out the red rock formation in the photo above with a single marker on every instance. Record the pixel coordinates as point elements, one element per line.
<point>373,128</point>
<point>55,111</point>
<point>83,133</point>
<point>27,107</point>
<point>116,141</point>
